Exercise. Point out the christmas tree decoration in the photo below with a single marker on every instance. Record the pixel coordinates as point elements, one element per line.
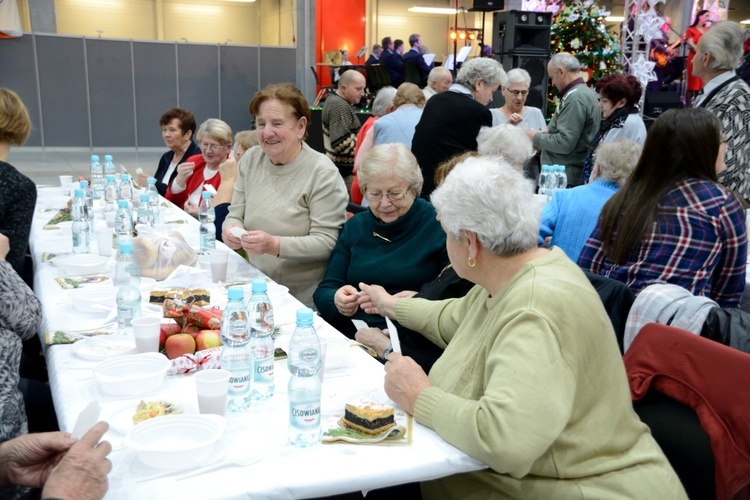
<point>579,28</point>
<point>643,70</point>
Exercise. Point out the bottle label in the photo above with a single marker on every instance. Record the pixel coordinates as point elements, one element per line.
<point>308,355</point>
<point>264,370</point>
<point>208,240</point>
<point>304,415</point>
<point>125,314</point>
<point>239,384</point>
<point>267,317</point>
<point>238,328</point>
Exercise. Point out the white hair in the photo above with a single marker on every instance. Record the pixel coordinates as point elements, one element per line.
<point>566,61</point>
<point>723,41</point>
<point>391,159</point>
<point>489,197</point>
<point>487,69</point>
<point>383,100</point>
<point>438,72</point>
<point>518,75</point>
<point>505,140</point>
<point>617,159</point>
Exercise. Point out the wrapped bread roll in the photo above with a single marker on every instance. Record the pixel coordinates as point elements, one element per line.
<point>158,254</point>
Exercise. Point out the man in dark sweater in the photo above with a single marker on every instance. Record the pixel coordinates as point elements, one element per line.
<point>340,123</point>
<point>451,120</point>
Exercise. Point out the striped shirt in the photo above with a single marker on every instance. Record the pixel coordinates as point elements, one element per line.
<point>698,242</point>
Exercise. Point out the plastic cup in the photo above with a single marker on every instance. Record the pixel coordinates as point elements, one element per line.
<point>212,387</point>
<point>323,349</point>
<point>104,241</point>
<point>65,182</point>
<point>218,259</point>
<point>146,333</point>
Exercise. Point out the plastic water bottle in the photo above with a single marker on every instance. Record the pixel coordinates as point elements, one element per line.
<point>261,340</point>
<point>80,228</point>
<point>236,353</point>
<point>126,190</point>
<point>206,216</point>
<point>110,194</point>
<point>304,346</point>
<point>304,385</point>
<point>127,278</point>
<point>123,223</point>
<point>109,167</point>
<point>304,410</point>
<point>88,197</point>
<point>544,179</point>
<point>145,216</point>
<point>127,272</point>
<point>97,177</point>
<point>153,198</point>
<point>562,177</point>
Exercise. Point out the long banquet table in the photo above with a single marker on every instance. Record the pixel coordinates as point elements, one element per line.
<point>281,470</point>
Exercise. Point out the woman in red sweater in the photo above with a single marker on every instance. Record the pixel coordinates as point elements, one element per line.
<point>215,140</point>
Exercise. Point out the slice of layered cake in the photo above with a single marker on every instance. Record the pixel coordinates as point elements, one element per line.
<point>370,418</point>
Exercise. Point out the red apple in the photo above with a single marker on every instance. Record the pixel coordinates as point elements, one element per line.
<point>179,344</point>
<point>207,339</point>
<point>167,330</point>
<point>192,330</point>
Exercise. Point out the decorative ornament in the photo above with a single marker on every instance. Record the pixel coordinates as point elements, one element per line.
<point>602,65</point>
<point>573,17</point>
<point>649,26</point>
<point>643,70</point>
<point>575,43</point>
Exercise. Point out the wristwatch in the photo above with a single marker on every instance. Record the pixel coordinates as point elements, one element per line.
<point>387,352</point>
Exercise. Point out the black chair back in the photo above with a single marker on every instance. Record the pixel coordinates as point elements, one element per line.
<point>412,73</point>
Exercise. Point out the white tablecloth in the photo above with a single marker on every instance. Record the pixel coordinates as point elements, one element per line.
<point>283,471</point>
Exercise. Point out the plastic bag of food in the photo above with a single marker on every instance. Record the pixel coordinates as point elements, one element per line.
<point>158,254</point>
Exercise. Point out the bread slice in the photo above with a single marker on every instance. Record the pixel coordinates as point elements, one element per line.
<point>369,418</point>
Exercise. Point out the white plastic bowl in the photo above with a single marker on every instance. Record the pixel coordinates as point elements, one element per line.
<point>176,441</point>
<point>132,375</point>
<point>88,263</point>
<point>94,300</point>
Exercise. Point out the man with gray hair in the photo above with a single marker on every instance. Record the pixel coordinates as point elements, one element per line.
<point>575,122</point>
<point>439,80</point>
<point>726,95</point>
<point>374,55</point>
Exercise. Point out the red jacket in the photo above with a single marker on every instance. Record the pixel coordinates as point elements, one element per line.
<point>194,181</point>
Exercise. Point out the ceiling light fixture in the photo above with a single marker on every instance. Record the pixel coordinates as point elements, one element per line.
<point>746,21</point>
<point>431,10</point>
<point>614,19</point>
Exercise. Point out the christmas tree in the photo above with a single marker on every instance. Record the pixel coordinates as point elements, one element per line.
<point>579,29</point>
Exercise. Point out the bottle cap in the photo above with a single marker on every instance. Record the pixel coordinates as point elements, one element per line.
<point>107,157</point>
<point>235,293</point>
<point>122,203</point>
<point>126,247</point>
<point>259,286</point>
<point>305,316</point>
<point>206,195</point>
<point>95,158</point>
<point>84,184</point>
<point>144,197</point>
<point>151,180</point>
<point>110,178</point>
<point>78,193</point>
<point>123,177</point>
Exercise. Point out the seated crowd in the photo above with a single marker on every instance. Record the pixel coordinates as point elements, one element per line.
<point>450,242</point>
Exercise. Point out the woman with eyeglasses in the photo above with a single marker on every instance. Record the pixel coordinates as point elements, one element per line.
<point>289,200</point>
<point>215,139</point>
<point>516,112</point>
<point>398,243</point>
<point>672,222</point>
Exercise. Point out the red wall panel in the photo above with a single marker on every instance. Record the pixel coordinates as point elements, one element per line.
<point>340,24</point>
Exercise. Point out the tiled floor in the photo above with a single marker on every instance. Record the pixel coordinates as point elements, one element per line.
<point>45,165</point>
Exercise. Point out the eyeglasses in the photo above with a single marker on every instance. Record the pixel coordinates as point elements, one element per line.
<point>211,147</point>
<point>392,195</point>
<point>518,92</point>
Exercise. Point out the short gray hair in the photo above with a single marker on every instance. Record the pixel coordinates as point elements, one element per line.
<point>617,159</point>
<point>566,61</point>
<point>391,159</point>
<point>487,69</point>
<point>438,72</point>
<point>216,129</point>
<point>518,75</point>
<point>487,196</point>
<point>723,41</point>
<point>505,140</point>
<point>383,100</point>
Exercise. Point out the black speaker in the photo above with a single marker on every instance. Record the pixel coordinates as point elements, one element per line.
<point>657,103</point>
<point>536,65</point>
<point>487,5</point>
<point>524,31</point>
